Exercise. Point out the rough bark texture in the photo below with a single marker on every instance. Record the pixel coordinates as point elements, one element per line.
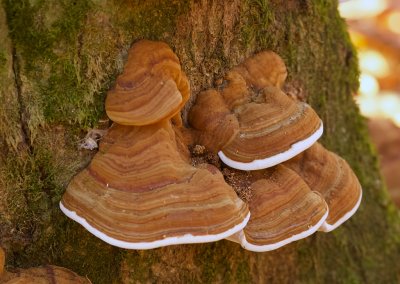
<point>58,58</point>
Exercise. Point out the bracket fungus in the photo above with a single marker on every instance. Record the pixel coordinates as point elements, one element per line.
<point>264,126</point>
<point>214,124</point>
<point>151,88</point>
<point>283,209</point>
<point>2,260</point>
<point>139,191</point>
<point>329,174</point>
<point>44,274</point>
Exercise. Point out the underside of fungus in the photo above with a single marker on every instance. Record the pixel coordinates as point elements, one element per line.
<point>140,193</point>
<point>329,174</point>
<point>283,209</point>
<point>250,121</point>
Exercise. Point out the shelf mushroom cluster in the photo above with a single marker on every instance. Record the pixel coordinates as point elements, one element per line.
<point>140,191</point>
<point>298,187</point>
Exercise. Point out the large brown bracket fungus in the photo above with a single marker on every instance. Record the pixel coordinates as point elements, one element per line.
<point>330,175</point>
<point>140,191</point>
<point>283,209</point>
<point>250,121</point>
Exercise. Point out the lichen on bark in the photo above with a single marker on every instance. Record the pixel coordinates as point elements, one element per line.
<point>66,55</point>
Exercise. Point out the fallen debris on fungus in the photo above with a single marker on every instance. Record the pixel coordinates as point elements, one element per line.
<point>329,174</point>
<point>267,126</point>
<point>90,142</point>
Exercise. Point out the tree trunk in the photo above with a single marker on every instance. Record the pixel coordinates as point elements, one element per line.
<point>58,59</point>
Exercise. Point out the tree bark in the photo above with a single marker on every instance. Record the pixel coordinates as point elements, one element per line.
<point>58,59</point>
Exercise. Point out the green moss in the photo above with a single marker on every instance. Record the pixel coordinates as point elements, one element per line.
<point>3,61</point>
<point>223,262</point>
<point>43,235</point>
<point>260,17</point>
<point>55,59</point>
<point>139,265</point>
<point>242,274</point>
<point>84,253</point>
<point>149,19</point>
<point>50,57</point>
<point>32,180</point>
<point>214,262</point>
<point>211,268</point>
<point>70,72</point>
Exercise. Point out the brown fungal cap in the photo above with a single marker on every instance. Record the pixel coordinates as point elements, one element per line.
<point>264,69</point>
<point>283,209</point>
<point>272,127</point>
<point>139,193</point>
<point>214,126</point>
<point>2,260</point>
<point>48,274</point>
<point>44,274</point>
<point>151,88</point>
<point>329,174</point>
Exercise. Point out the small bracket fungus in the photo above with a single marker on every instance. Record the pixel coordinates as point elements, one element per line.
<point>214,124</point>
<point>2,260</point>
<point>329,174</point>
<point>267,127</point>
<point>283,209</point>
<point>140,192</point>
<point>151,88</point>
<point>43,274</point>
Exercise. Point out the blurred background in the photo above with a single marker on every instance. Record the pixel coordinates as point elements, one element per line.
<point>374,27</point>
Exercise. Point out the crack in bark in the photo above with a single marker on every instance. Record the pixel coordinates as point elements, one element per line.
<point>26,140</point>
<point>25,132</point>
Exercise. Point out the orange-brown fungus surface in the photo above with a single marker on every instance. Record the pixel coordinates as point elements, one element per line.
<point>151,88</point>
<point>329,174</point>
<point>139,190</point>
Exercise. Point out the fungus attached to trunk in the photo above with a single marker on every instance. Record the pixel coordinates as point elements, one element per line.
<point>152,86</point>
<point>2,260</point>
<point>140,193</point>
<point>283,209</point>
<point>329,174</point>
<point>42,274</point>
<point>268,127</point>
<point>214,124</point>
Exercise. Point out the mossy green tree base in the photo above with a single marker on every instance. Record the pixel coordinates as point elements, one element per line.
<point>58,59</point>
